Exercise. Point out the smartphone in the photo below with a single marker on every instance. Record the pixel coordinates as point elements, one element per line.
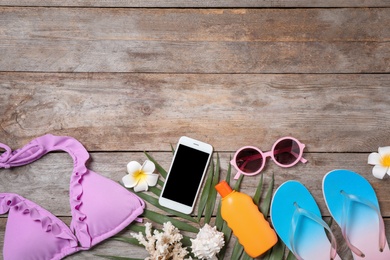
<point>185,175</point>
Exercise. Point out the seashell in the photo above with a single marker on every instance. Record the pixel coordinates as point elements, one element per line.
<point>208,242</point>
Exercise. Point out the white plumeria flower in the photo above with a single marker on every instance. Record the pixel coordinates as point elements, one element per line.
<point>140,176</point>
<point>381,160</point>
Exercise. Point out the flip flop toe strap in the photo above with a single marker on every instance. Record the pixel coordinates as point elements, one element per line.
<point>296,218</point>
<point>348,199</point>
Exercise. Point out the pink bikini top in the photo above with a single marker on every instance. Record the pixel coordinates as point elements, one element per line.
<point>100,207</point>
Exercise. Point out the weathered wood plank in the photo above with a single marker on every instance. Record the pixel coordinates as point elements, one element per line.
<point>138,112</point>
<point>171,91</point>
<point>46,183</point>
<point>112,247</point>
<point>209,3</point>
<point>216,41</point>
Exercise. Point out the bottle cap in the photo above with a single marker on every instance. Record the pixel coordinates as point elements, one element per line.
<point>223,189</point>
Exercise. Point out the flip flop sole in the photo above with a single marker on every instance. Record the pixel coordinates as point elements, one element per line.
<point>311,241</point>
<point>362,223</point>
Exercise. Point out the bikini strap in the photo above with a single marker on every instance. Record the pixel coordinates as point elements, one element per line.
<point>41,146</point>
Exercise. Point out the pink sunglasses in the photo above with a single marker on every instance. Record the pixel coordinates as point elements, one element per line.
<point>250,160</point>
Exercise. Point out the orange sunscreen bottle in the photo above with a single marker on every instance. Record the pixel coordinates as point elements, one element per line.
<point>247,222</point>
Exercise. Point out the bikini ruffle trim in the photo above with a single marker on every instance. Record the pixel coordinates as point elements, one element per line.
<point>78,224</point>
<point>34,150</point>
<point>8,201</point>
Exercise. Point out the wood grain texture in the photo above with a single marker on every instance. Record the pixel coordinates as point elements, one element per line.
<point>138,112</point>
<point>215,41</point>
<point>199,4</point>
<point>112,247</point>
<point>47,184</point>
<point>46,181</point>
<point>129,76</point>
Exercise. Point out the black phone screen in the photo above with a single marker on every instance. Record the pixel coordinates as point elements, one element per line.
<point>185,176</point>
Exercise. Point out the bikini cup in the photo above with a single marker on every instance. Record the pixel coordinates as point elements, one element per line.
<point>100,207</point>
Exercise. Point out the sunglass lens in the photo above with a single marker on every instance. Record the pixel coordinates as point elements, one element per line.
<point>249,160</point>
<point>287,152</point>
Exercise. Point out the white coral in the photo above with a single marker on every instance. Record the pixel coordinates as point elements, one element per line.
<point>208,243</point>
<point>162,245</point>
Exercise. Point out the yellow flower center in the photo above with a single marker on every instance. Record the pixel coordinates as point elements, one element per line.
<point>140,175</point>
<point>386,160</point>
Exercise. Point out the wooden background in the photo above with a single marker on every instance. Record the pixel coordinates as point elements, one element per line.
<point>124,77</point>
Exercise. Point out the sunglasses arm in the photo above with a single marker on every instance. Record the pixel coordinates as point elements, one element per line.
<point>243,165</point>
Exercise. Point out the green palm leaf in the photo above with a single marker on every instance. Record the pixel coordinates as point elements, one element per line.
<point>259,189</point>
<point>206,206</point>
<point>161,219</point>
<point>218,219</point>
<point>265,205</point>
<point>156,191</point>
<point>137,228</point>
<point>118,257</point>
<point>245,256</point>
<point>290,256</point>
<point>154,201</point>
<point>238,183</point>
<point>277,252</point>
<point>129,240</point>
<point>221,224</point>
<point>212,194</point>
<point>158,166</point>
<point>206,190</point>
<point>237,251</point>
<point>186,241</point>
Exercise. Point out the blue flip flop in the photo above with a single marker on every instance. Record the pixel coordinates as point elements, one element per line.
<point>297,220</point>
<point>353,204</point>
